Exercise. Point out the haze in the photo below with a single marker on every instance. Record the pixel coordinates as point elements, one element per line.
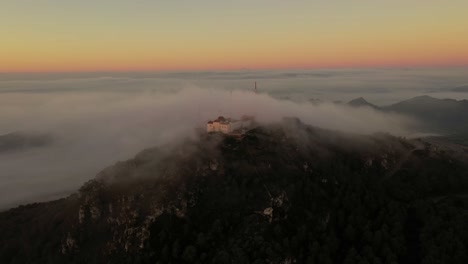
<point>98,119</point>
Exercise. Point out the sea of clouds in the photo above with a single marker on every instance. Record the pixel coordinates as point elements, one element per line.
<point>100,118</point>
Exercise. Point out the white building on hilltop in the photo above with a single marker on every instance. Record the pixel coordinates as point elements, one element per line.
<point>228,125</point>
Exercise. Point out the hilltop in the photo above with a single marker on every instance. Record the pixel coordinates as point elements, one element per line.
<point>359,102</point>
<point>284,193</point>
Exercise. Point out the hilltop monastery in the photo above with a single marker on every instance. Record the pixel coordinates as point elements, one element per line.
<point>228,125</point>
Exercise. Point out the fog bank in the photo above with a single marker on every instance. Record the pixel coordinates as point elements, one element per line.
<point>96,121</point>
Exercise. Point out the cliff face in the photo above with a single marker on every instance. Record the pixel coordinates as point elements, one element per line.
<point>280,194</point>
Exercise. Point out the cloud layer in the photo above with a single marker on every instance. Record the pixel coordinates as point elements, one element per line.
<point>97,121</point>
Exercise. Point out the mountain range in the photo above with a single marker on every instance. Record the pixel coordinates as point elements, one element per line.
<point>445,116</point>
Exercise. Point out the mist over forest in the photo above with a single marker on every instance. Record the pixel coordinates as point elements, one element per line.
<point>93,120</point>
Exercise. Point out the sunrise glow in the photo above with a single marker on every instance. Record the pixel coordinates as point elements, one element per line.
<point>52,35</point>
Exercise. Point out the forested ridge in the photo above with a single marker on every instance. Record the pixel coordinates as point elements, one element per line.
<point>286,193</point>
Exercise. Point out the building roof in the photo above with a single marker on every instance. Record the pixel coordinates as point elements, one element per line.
<point>225,121</point>
<point>221,119</point>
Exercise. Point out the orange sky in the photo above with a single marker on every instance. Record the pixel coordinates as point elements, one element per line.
<point>53,35</point>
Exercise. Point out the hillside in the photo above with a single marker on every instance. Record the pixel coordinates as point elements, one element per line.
<point>442,115</point>
<point>285,193</point>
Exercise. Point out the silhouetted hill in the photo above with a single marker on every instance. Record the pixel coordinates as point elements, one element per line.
<point>358,102</point>
<point>23,141</point>
<point>315,101</point>
<point>446,116</point>
<point>463,88</point>
<point>286,193</point>
<point>440,114</point>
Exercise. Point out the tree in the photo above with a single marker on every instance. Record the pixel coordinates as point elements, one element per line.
<point>190,254</point>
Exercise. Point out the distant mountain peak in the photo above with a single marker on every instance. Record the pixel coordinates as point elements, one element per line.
<point>422,97</point>
<point>426,99</point>
<point>463,88</point>
<point>440,114</point>
<point>359,99</point>
<point>361,102</point>
<point>315,101</point>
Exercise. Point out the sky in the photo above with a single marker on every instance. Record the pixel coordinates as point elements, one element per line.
<point>150,35</point>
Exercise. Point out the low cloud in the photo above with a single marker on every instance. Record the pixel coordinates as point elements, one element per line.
<point>97,121</point>
<point>94,130</point>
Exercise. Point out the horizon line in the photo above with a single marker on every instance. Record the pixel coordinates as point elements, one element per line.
<point>402,67</point>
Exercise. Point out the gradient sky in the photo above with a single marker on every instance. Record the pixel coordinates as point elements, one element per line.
<point>132,35</point>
